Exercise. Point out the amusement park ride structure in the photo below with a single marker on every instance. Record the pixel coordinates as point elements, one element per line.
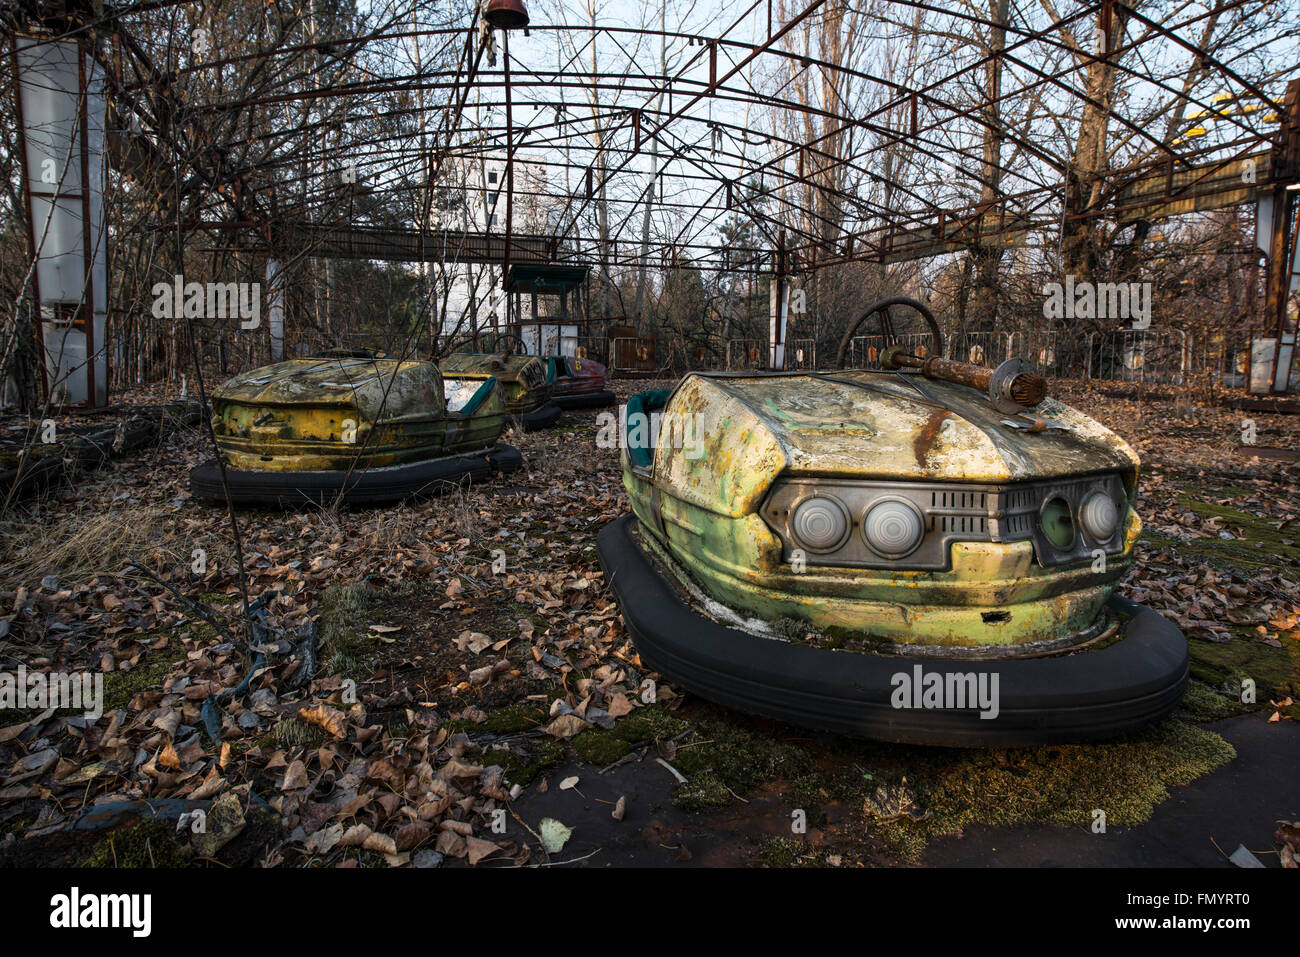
<point>90,95</point>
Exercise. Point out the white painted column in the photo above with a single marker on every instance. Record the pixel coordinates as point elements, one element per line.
<point>275,307</point>
<point>63,106</point>
<point>780,314</point>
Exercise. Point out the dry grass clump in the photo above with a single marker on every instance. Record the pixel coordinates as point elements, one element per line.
<point>83,545</point>
<point>463,511</point>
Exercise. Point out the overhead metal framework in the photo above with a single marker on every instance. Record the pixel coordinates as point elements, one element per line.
<point>762,136</point>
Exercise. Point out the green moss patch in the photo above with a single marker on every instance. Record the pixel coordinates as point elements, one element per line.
<point>1276,671</point>
<point>703,792</point>
<point>900,798</point>
<point>787,852</point>
<point>218,598</point>
<point>1126,779</point>
<point>722,758</point>
<point>651,723</point>
<point>1257,542</point>
<point>511,719</point>
<point>600,747</point>
<point>1204,703</point>
<point>149,843</point>
<point>121,686</point>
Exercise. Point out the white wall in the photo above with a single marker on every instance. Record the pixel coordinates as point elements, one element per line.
<point>472,291</point>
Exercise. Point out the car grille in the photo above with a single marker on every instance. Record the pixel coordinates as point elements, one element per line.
<point>952,513</point>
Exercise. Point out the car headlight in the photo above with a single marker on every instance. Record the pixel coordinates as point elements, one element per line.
<point>820,524</point>
<point>1099,516</point>
<point>893,528</point>
<point>1056,522</point>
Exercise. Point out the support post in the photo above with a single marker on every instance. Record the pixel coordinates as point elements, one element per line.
<point>1284,241</point>
<point>275,307</point>
<point>510,158</point>
<point>61,109</point>
<point>779,295</point>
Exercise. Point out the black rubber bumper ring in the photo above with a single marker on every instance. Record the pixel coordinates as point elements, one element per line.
<point>542,418</point>
<point>585,400</point>
<point>364,487</point>
<point>1085,696</point>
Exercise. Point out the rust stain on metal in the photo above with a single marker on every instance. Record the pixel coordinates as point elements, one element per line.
<point>751,432</point>
<point>923,444</point>
<point>326,414</point>
<point>523,379</point>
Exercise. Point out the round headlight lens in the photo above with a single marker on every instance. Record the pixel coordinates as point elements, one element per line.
<point>1056,522</point>
<point>893,528</point>
<point>1099,516</point>
<point>820,524</point>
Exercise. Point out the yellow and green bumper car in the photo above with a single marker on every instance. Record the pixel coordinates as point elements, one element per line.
<point>525,386</point>
<point>367,429</point>
<point>888,555</point>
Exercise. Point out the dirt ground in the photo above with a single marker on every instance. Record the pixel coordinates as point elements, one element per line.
<point>476,699</point>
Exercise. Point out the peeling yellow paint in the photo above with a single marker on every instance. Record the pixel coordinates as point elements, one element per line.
<point>754,429</point>
<point>523,378</point>
<point>317,414</point>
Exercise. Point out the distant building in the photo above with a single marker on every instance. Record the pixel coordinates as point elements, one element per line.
<point>472,197</point>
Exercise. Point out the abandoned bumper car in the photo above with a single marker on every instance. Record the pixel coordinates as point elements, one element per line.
<point>354,427</point>
<point>909,555</point>
<point>577,383</point>
<point>525,388</point>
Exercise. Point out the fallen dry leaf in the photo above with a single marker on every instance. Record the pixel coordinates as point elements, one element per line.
<point>331,720</point>
<point>554,835</point>
<point>566,726</point>
<point>479,849</point>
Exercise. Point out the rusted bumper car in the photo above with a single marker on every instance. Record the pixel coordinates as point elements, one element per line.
<point>890,554</point>
<point>524,386</point>
<point>358,429</point>
<point>578,383</point>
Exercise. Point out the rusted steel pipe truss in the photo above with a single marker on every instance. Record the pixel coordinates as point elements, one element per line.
<point>803,184</point>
